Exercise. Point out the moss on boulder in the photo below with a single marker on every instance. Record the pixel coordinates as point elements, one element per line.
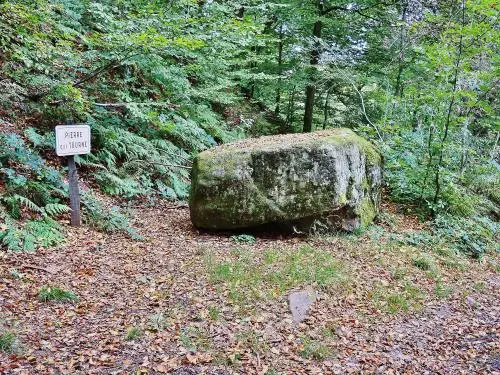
<point>333,176</point>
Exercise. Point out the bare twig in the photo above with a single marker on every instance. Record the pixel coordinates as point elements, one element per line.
<point>153,104</point>
<point>157,163</point>
<point>178,207</point>
<point>362,101</point>
<point>27,266</point>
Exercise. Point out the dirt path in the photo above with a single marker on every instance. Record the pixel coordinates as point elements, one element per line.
<point>157,306</point>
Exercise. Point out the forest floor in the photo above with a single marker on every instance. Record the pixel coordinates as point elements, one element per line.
<point>187,302</point>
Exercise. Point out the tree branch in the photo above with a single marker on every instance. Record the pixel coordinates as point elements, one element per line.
<point>124,104</point>
<point>157,163</point>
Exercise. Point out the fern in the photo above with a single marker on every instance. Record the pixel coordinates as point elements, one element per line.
<point>108,220</point>
<point>115,185</point>
<point>15,237</point>
<point>55,209</point>
<point>27,203</point>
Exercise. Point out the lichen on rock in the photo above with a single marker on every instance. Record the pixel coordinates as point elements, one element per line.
<point>333,176</point>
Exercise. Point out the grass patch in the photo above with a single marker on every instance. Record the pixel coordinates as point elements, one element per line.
<point>214,313</point>
<point>397,302</point>
<point>158,322</point>
<point>8,342</point>
<point>270,273</point>
<point>314,349</point>
<point>133,333</point>
<point>53,293</point>
<point>253,341</point>
<point>194,339</point>
<point>424,262</point>
<point>405,298</point>
<point>398,273</point>
<point>442,290</point>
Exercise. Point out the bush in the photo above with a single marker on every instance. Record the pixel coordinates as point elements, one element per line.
<point>474,236</point>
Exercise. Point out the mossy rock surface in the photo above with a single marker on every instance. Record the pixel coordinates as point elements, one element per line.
<point>333,176</point>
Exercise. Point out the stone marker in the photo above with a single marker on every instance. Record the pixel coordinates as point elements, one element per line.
<point>300,303</point>
<point>331,176</point>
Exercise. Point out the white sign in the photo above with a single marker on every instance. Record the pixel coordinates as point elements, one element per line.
<point>72,140</point>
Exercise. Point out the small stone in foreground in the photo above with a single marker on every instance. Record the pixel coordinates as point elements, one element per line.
<point>300,303</point>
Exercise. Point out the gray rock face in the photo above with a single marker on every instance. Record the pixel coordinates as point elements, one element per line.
<point>331,176</point>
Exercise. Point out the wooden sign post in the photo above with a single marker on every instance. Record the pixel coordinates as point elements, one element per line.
<point>73,140</point>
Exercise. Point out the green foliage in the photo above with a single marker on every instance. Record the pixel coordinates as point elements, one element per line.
<point>314,349</point>
<point>475,236</point>
<point>53,293</point>
<point>424,262</point>
<point>133,333</point>
<point>109,220</point>
<point>120,68</point>
<point>161,82</point>
<point>34,233</point>
<point>270,274</point>
<point>244,239</point>
<point>8,341</point>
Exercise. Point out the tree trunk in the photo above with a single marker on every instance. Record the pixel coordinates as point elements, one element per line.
<point>399,85</point>
<point>311,88</point>
<point>437,176</point>
<point>325,109</point>
<point>309,104</point>
<point>240,13</point>
<point>280,63</point>
<point>291,109</point>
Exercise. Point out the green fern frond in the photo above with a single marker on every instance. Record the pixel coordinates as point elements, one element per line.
<point>28,203</point>
<point>55,209</point>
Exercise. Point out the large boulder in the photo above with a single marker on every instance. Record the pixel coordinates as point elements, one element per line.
<point>330,178</point>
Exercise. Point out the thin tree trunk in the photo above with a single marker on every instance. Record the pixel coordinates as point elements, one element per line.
<point>399,86</point>
<point>280,63</point>
<point>429,162</point>
<point>465,151</point>
<point>439,165</point>
<point>325,109</point>
<point>309,108</point>
<point>291,108</point>
<point>494,148</point>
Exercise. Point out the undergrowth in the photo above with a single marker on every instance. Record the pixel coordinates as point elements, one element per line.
<point>8,341</point>
<point>248,274</point>
<point>53,293</point>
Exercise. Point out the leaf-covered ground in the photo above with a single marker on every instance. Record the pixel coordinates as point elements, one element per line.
<point>186,302</point>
